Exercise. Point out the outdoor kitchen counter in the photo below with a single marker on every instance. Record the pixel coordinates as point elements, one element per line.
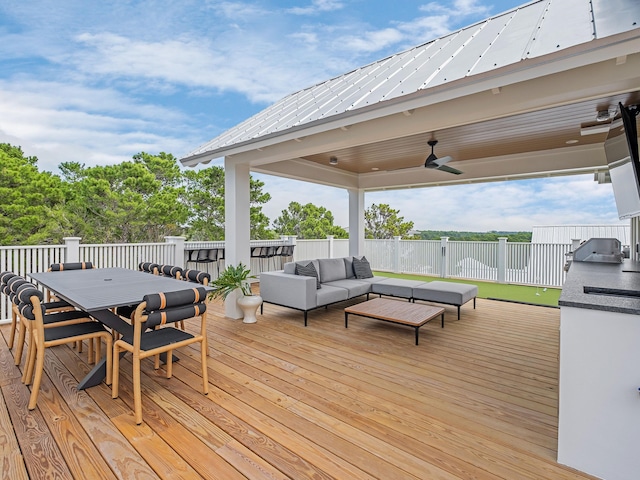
<point>599,374</point>
<point>608,276</point>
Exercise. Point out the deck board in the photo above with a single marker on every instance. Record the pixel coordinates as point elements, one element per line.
<point>476,399</point>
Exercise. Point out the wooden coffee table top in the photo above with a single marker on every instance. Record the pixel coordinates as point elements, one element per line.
<point>396,311</point>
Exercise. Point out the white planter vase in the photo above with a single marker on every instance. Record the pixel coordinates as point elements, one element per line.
<point>249,305</point>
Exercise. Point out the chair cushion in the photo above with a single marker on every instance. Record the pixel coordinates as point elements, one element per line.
<point>171,271</point>
<point>175,314</point>
<point>64,316</point>
<point>348,266</point>
<point>158,338</point>
<point>17,282</point>
<point>197,276</point>
<point>396,287</point>
<point>308,270</point>
<point>73,330</point>
<point>25,293</point>
<point>59,267</point>
<point>158,301</point>
<point>26,310</point>
<point>361,267</point>
<point>4,276</point>
<point>331,269</point>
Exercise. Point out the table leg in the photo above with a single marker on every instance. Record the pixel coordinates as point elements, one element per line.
<point>443,320</point>
<point>346,320</point>
<point>417,330</point>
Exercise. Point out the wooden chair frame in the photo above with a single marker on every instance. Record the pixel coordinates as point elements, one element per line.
<point>135,348</point>
<point>67,334</point>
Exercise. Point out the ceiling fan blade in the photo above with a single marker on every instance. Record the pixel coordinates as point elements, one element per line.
<point>447,169</point>
<point>441,161</point>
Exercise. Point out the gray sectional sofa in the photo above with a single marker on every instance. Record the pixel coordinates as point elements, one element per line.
<point>338,282</point>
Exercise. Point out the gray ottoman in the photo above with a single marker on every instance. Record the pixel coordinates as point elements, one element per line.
<point>396,287</point>
<point>446,292</point>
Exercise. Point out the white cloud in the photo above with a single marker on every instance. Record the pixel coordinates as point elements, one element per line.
<point>317,6</point>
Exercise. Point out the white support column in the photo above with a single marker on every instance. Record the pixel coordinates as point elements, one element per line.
<point>444,266</point>
<point>502,259</point>
<point>634,253</point>
<point>237,229</point>
<point>356,222</point>
<point>72,253</point>
<point>178,251</point>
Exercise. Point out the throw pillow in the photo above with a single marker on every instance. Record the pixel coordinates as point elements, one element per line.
<point>361,268</point>
<point>308,270</point>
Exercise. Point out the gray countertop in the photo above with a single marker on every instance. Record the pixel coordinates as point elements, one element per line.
<point>610,277</point>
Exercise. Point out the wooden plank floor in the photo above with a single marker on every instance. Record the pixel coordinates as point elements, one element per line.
<point>477,399</point>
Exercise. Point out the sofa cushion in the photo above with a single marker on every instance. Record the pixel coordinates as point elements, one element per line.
<point>330,294</point>
<point>395,287</point>
<point>348,266</point>
<point>361,267</point>
<point>308,270</point>
<point>353,286</point>
<point>446,292</point>
<point>331,269</point>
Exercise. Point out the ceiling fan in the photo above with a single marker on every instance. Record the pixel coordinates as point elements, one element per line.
<point>439,163</point>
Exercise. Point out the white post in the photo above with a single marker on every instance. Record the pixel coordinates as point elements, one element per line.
<point>502,259</point>
<point>72,251</point>
<point>237,224</point>
<point>331,247</point>
<point>178,251</point>
<point>356,222</point>
<point>444,269</point>
<point>396,254</point>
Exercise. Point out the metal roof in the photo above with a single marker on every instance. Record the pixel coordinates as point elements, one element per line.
<point>533,30</point>
<point>565,234</point>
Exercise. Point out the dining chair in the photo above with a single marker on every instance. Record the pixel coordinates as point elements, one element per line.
<point>155,310</point>
<point>31,309</point>
<point>56,313</point>
<point>4,277</point>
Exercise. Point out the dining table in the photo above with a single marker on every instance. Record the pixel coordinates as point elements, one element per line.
<point>99,291</point>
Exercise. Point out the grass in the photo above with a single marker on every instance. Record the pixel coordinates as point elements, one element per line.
<point>501,291</point>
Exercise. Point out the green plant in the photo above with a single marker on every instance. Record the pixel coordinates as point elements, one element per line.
<point>231,279</point>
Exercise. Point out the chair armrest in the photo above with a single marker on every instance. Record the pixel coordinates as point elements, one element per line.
<point>295,291</point>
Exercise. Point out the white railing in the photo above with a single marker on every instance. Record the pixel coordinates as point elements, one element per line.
<point>520,263</point>
<point>26,260</point>
<point>128,255</point>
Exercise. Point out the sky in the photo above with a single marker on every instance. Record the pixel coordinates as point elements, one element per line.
<point>98,81</point>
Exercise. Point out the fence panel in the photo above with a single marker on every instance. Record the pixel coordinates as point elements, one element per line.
<point>24,261</point>
<point>476,260</point>
<point>127,255</point>
<point>422,257</point>
<point>381,254</point>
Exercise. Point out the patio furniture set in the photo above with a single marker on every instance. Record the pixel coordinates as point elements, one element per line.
<point>155,298</point>
<point>310,284</point>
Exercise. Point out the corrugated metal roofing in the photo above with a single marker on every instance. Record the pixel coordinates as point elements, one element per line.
<point>564,234</point>
<point>532,30</point>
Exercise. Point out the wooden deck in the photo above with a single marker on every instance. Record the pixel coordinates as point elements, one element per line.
<point>476,399</point>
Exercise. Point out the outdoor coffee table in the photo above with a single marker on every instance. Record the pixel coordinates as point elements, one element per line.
<point>395,311</point>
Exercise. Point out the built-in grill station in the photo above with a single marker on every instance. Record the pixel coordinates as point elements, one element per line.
<point>600,250</point>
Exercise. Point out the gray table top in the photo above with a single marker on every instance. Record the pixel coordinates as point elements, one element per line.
<point>103,288</point>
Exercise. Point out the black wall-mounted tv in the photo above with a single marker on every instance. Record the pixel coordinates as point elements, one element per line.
<point>621,150</point>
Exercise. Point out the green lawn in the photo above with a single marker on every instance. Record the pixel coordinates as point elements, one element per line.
<point>514,293</point>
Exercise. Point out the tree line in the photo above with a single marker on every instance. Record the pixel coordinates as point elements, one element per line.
<point>146,199</point>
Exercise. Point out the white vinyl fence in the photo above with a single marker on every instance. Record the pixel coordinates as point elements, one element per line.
<point>521,263</point>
